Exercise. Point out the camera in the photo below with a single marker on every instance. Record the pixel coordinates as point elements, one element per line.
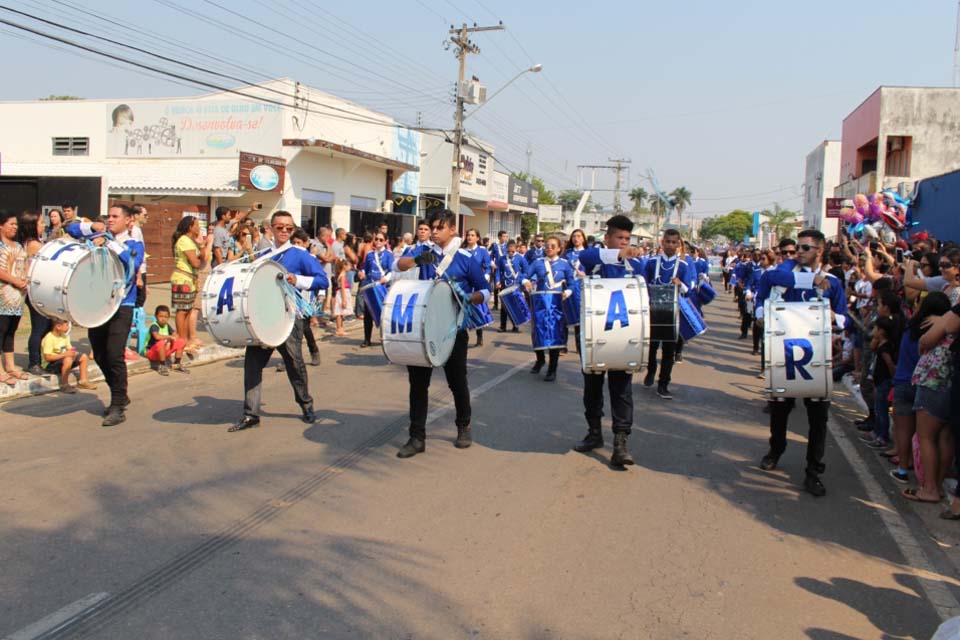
<point>256,206</point>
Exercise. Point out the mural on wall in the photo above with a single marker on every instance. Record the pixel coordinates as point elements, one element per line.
<point>406,148</point>
<point>191,129</point>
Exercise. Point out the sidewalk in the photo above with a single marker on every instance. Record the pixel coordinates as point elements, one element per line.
<point>157,294</point>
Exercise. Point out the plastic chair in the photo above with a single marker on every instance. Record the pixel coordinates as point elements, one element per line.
<point>139,329</point>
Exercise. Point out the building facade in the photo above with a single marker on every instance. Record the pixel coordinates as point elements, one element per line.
<point>821,178</point>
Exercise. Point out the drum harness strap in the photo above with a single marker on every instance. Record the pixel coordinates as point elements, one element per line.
<point>469,311</point>
<point>626,265</point>
<point>295,302</point>
<point>551,283</point>
<point>676,270</point>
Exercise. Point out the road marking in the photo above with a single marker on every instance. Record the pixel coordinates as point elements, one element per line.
<point>917,562</point>
<point>58,619</point>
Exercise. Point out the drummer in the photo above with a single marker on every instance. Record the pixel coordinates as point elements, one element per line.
<point>109,340</point>
<point>458,267</point>
<point>571,253</point>
<point>666,268</point>
<point>687,252</point>
<point>377,269</point>
<point>479,253</point>
<point>305,273</point>
<point>801,278</point>
<point>510,267</point>
<point>550,273</point>
<point>611,262</point>
<point>497,251</point>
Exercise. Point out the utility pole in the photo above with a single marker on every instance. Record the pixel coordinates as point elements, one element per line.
<point>618,168</point>
<point>460,37</point>
<point>529,155</point>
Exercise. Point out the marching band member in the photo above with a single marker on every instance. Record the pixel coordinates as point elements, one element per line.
<point>109,340</point>
<point>482,256</point>
<point>692,285</point>
<point>571,253</point>
<point>423,239</point>
<point>457,266</point>
<point>801,278</point>
<point>304,272</point>
<point>536,251</point>
<point>666,268</point>
<point>377,269</point>
<point>497,251</point>
<point>618,260</point>
<point>510,268</point>
<point>550,273</point>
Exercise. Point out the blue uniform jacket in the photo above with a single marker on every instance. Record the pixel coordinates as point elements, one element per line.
<point>374,273</point>
<point>497,251</point>
<point>309,272</point>
<point>131,253</point>
<point>463,270</point>
<point>505,276</point>
<point>607,263</point>
<point>427,271</point>
<point>533,254</point>
<point>482,256</point>
<point>667,267</point>
<point>563,274</point>
<point>573,257</point>
<point>800,288</point>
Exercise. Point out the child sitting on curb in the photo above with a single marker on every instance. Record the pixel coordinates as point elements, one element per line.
<point>163,342</point>
<point>60,358</point>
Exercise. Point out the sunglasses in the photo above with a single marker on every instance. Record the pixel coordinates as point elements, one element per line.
<point>946,264</point>
<point>379,240</point>
<point>808,247</point>
<point>284,227</point>
<point>788,253</point>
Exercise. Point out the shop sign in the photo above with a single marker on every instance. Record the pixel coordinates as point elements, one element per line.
<point>263,173</point>
<point>522,193</point>
<point>474,172</point>
<point>834,205</point>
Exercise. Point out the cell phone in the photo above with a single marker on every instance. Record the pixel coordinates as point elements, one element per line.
<point>257,206</point>
<point>899,255</point>
<point>874,246</point>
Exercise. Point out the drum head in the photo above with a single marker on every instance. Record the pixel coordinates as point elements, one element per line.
<point>440,324</point>
<point>270,322</point>
<point>91,299</point>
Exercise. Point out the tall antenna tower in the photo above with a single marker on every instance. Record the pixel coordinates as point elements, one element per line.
<point>956,51</point>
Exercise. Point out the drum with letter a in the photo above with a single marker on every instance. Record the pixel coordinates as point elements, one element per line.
<point>798,349</point>
<point>70,281</point>
<point>664,312</point>
<point>244,303</point>
<point>419,323</point>
<point>614,324</point>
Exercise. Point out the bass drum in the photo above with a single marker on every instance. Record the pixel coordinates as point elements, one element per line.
<point>245,304</point>
<point>664,313</point>
<point>420,323</point>
<point>798,349</point>
<point>614,324</point>
<point>70,281</point>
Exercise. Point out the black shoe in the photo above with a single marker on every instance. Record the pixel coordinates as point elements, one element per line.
<point>813,486</point>
<point>479,343</point>
<point>315,359</point>
<point>551,375</point>
<point>246,422</point>
<point>365,344</point>
<point>621,455</point>
<point>515,330</point>
<point>865,427</point>
<point>281,368</point>
<point>537,367</point>
<point>869,420</point>
<point>769,462</point>
<point>678,357</point>
<point>648,381</point>
<point>308,416</point>
<point>755,352</point>
<point>412,448</point>
<point>593,440</point>
<point>36,370</point>
<point>502,330</point>
<point>115,416</point>
<point>766,407</point>
<point>126,403</point>
<point>464,438</point>
<point>664,392</point>
<point>743,336</point>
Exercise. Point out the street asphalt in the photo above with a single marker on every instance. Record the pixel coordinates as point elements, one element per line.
<point>169,527</point>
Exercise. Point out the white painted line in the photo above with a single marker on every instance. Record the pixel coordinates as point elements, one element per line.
<point>58,619</point>
<point>486,386</point>
<point>917,562</point>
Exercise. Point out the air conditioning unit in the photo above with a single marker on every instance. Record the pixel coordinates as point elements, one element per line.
<point>472,92</point>
<point>387,206</point>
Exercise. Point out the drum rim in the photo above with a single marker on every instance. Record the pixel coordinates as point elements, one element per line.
<point>768,330</point>
<point>431,286</point>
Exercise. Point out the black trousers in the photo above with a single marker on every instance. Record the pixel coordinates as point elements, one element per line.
<point>745,320</point>
<point>757,335</point>
<point>621,398</point>
<point>108,342</point>
<point>456,372</point>
<point>141,296</point>
<point>39,326</point>
<point>308,334</point>
<point>678,350</point>
<point>367,326</point>
<point>496,298</point>
<point>503,319</point>
<point>669,354</point>
<point>8,330</point>
<point>255,358</point>
<point>816,439</point>
<point>554,358</point>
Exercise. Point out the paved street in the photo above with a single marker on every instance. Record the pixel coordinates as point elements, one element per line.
<point>289,531</point>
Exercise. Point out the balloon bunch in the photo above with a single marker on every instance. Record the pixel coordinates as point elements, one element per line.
<point>882,215</point>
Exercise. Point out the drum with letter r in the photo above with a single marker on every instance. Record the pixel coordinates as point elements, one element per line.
<point>549,328</point>
<point>244,303</point>
<point>514,302</point>
<point>664,313</point>
<point>70,281</point>
<point>420,323</point>
<point>798,349</point>
<point>614,324</point>
<point>373,296</point>
<point>691,322</point>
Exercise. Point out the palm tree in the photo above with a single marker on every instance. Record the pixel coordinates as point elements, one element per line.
<point>681,200</point>
<point>657,210</point>
<point>639,195</point>
<point>569,199</point>
<point>780,221</point>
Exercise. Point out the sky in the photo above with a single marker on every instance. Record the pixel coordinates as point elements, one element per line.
<point>723,97</point>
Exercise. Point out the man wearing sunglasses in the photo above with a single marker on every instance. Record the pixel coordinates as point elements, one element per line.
<point>788,249</point>
<point>801,278</point>
<point>536,251</point>
<point>305,273</point>
<point>377,269</point>
<point>458,267</point>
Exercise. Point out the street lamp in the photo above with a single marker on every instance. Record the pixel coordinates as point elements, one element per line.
<point>537,68</point>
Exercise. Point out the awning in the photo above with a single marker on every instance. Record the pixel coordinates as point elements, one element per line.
<point>466,211</point>
<point>335,150</point>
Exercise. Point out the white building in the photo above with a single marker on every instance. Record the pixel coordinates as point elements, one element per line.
<point>327,161</point>
<point>820,179</point>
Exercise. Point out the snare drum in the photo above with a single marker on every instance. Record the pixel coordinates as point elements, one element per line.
<point>798,349</point>
<point>421,319</point>
<point>691,322</point>
<point>614,324</point>
<point>664,313</point>
<point>571,304</point>
<point>373,295</point>
<point>706,293</point>
<point>481,318</point>
<point>515,303</point>
<point>244,304</point>
<point>549,328</point>
<point>70,281</point>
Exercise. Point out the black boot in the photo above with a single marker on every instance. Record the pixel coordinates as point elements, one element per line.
<point>593,439</point>
<point>621,455</point>
<point>552,367</point>
<point>412,448</point>
<point>464,437</point>
<point>538,365</point>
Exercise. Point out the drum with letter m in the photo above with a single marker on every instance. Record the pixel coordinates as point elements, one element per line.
<point>420,322</point>
<point>614,324</point>
<point>798,349</point>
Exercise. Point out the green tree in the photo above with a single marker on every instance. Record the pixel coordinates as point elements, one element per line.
<point>639,195</point>
<point>681,200</point>
<point>780,221</point>
<point>732,226</point>
<point>569,199</point>
<point>56,97</point>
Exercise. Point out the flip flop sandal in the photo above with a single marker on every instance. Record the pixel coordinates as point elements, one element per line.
<point>948,514</point>
<point>888,454</point>
<point>19,375</point>
<point>9,380</point>
<point>912,494</point>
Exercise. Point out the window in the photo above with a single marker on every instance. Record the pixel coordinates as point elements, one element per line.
<point>315,209</point>
<point>493,224</point>
<point>71,146</point>
<point>899,149</point>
